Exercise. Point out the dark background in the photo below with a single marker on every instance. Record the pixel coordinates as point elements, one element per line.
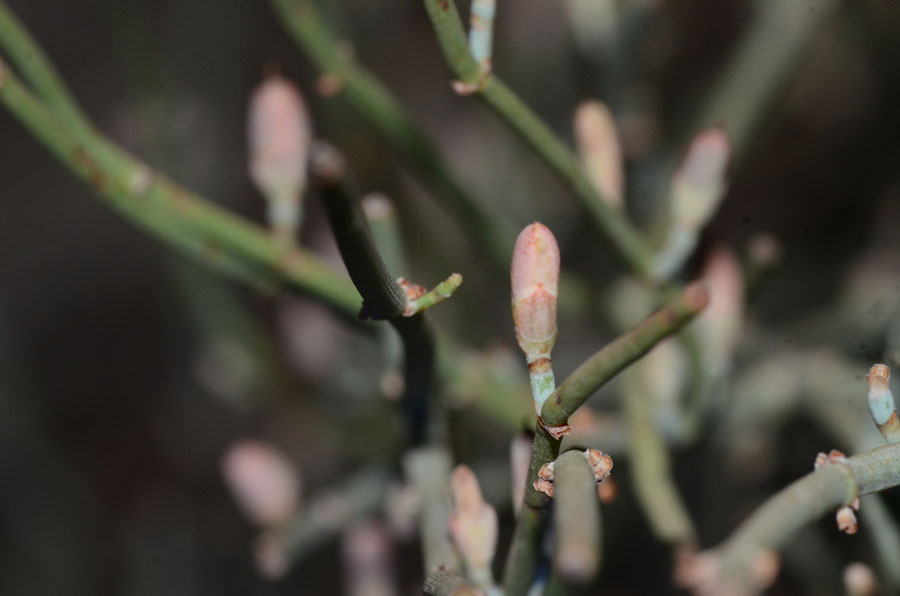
<point>110,438</point>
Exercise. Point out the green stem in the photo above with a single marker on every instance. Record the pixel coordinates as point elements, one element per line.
<point>438,294</point>
<point>17,42</point>
<point>368,96</point>
<point>650,469</point>
<point>452,37</point>
<point>521,563</point>
<point>624,350</point>
<point>806,500</point>
<point>576,556</point>
<point>586,379</point>
<point>172,214</point>
<point>427,469</point>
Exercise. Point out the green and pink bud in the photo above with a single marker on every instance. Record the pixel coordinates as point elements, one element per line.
<point>881,402</point>
<point>473,526</point>
<point>279,134</point>
<point>535,283</point>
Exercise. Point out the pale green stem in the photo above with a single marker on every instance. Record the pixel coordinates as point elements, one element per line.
<point>374,102</point>
<point>806,500</point>
<point>16,41</point>
<point>448,27</point>
<point>438,294</point>
<point>481,31</point>
<point>172,214</point>
<point>576,556</point>
<point>427,469</point>
<point>651,469</point>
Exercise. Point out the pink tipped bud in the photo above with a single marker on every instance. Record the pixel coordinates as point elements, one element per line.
<point>263,482</point>
<point>280,134</point>
<point>598,147</point>
<point>535,281</point>
<point>699,183</point>
<point>473,523</point>
<point>859,580</point>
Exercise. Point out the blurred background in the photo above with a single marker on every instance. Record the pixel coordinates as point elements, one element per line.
<point>126,372</point>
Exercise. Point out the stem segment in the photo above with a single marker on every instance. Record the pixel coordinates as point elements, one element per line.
<point>448,28</point>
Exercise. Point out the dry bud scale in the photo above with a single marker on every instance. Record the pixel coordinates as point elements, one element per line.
<point>534,277</point>
<point>280,134</point>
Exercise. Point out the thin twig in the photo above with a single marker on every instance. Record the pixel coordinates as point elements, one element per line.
<point>806,500</point>
<point>576,556</point>
<point>383,298</point>
<point>174,215</point>
<point>30,59</point>
<point>427,469</point>
<point>374,102</point>
<point>448,28</point>
<point>615,356</point>
<point>650,468</point>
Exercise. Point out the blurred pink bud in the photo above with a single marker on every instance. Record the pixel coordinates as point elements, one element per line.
<point>598,147</point>
<point>520,457</point>
<point>280,134</point>
<point>859,580</point>
<point>719,326</point>
<point>263,482</point>
<point>699,183</point>
<point>473,523</point>
<point>368,569</point>
<point>535,281</point>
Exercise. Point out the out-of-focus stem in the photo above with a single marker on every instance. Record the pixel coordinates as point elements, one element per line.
<point>368,96</point>
<point>428,470</point>
<point>576,557</point>
<point>172,214</point>
<point>329,512</point>
<point>448,28</point>
<point>521,562</point>
<point>650,470</point>
<point>17,42</point>
<point>621,352</point>
<point>820,492</point>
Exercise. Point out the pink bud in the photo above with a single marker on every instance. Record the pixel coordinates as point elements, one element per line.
<point>473,523</point>
<point>263,482</point>
<point>535,281</point>
<point>598,147</point>
<point>279,134</point>
<point>699,183</point>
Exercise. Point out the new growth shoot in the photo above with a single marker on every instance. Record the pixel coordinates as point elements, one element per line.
<point>535,283</point>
